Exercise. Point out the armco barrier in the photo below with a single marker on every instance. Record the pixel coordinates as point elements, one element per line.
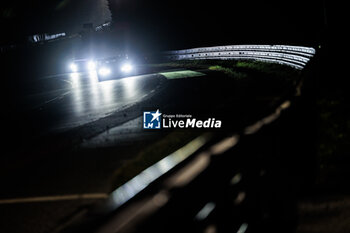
<point>295,56</point>
<point>102,26</point>
<point>45,37</point>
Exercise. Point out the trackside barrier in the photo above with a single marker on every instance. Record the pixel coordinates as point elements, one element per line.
<point>294,56</point>
<point>103,26</point>
<point>45,37</point>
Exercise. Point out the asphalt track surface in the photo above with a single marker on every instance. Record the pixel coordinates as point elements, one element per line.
<point>79,98</point>
<point>58,105</point>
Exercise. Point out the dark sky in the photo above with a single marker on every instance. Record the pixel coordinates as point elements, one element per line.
<point>194,23</point>
<point>23,17</point>
<point>185,23</point>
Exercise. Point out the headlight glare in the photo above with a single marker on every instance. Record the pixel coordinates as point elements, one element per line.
<point>126,68</point>
<point>73,67</point>
<point>104,71</point>
<point>91,65</point>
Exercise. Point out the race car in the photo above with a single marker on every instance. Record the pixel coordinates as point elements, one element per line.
<point>82,65</point>
<point>114,68</point>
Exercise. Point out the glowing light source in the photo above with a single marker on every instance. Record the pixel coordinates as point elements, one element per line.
<point>74,76</point>
<point>73,67</point>
<point>205,211</point>
<point>126,68</point>
<point>104,71</point>
<point>91,65</point>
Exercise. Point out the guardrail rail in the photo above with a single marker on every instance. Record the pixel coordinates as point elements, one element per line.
<point>294,56</point>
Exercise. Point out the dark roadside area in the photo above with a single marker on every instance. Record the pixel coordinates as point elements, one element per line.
<point>324,206</point>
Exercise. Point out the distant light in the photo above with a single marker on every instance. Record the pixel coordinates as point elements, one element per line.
<point>243,228</point>
<point>205,211</point>
<point>73,67</point>
<point>236,179</point>
<point>91,65</point>
<point>126,68</point>
<point>104,71</point>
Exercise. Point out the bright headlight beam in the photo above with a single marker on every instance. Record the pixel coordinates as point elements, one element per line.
<point>104,71</point>
<point>73,67</point>
<point>126,68</point>
<point>91,65</point>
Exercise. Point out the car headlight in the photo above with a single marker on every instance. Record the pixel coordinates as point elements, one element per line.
<point>104,71</point>
<point>126,68</point>
<point>91,65</point>
<point>73,67</point>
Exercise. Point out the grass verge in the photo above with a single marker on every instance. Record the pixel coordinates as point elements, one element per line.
<point>234,68</point>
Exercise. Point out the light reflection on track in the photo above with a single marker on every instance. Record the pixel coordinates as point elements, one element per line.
<point>89,100</point>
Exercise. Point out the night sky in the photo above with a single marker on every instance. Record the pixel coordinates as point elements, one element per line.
<point>185,23</point>
<point>199,23</point>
